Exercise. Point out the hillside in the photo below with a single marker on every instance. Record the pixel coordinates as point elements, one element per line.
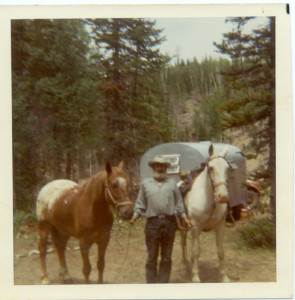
<point>239,138</point>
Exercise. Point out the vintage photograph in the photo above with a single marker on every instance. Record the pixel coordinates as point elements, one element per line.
<point>146,149</point>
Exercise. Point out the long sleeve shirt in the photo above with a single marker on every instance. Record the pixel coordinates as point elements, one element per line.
<point>156,199</point>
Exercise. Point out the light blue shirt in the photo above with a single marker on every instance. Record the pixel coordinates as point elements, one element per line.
<point>156,199</point>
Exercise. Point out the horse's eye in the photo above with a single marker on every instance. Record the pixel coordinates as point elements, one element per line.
<point>210,169</point>
<point>115,185</point>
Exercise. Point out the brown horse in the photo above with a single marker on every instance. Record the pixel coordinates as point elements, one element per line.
<point>66,209</point>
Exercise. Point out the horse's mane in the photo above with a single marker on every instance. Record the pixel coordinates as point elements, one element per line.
<point>196,171</point>
<point>189,179</point>
<point>92,189</point>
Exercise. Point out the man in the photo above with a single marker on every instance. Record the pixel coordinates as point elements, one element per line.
<point>159,200</point>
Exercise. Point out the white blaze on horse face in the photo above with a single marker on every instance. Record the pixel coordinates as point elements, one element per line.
<point>218,168</point>
<point>124,203</point>
<point>122,182</point>
<point>49,194</point>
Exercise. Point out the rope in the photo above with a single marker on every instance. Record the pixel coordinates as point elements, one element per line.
<point>230,213</point>
<point>126,253</point>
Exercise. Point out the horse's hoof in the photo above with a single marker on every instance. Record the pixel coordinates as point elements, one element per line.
<point>196,279</point>
<point>67,280</point>
<point>45,281</point>
<point>65,277</point>
<point>184,265</point>
<point>225,279</point>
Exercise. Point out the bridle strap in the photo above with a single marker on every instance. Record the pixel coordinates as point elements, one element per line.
<point>219,156</point>
<point>114,201</point>
<point>215,185</point>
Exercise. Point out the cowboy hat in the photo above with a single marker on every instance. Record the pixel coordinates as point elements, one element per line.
<point>159,160</point>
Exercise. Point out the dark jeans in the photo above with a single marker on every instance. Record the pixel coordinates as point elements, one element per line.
<point>159,235</point>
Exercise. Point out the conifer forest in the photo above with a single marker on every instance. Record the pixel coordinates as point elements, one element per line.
<point>87,91</point>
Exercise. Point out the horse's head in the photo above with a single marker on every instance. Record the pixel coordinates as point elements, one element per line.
<point>218,168</point>
<point>117,190</point>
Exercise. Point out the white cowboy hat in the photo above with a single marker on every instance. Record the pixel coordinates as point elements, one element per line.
<point>159,160</point>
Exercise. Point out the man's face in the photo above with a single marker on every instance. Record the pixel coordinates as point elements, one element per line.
<point>160,168</point>
<point>160,171</point>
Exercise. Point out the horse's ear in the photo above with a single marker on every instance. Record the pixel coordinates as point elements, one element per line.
<point>211,150</point>
<point>108,167</point>
<point>121,165</point>
<point>224,151</point>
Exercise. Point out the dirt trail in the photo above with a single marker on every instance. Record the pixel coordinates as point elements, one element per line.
<point>126,255</point>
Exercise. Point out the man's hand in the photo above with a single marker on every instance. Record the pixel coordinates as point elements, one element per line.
<point>132,220</point>
<point>188,223</point>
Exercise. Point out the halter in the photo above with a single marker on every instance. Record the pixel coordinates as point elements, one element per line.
<point>114,201</point>
<point>215,185</point>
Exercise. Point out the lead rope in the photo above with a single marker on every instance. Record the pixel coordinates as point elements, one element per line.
<point>126,253</point>
<point>107,192</point>
<point>230,212</point>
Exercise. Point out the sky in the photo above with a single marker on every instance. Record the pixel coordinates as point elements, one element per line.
<point>194,37</point>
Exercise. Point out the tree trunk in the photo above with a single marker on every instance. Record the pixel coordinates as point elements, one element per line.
<point>69,166</point>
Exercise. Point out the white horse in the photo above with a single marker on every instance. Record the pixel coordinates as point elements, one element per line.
<point>207,205</point>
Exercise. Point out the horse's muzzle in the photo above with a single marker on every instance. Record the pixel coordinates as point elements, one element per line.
<point>126,212</point>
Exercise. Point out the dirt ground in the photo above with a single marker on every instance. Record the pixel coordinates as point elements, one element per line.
<point>126,255</point>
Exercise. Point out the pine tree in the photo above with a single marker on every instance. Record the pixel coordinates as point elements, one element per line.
<point>251,82</point>
<point>202,83</point>
<point>129,60</point>
<point>54,100</point>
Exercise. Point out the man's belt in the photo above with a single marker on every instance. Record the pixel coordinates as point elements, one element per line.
<point>163,217</point>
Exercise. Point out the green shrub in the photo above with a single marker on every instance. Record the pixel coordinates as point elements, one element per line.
<point>18,219</point>
<point>258,233</point>
<point>21,217</point>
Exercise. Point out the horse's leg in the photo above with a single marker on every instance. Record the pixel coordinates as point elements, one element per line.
<point>102,246</point>
<point>60,242</point>
<point>84,249</point>
<point>219,231</point>
<point>44,228</point>
<point>196,251</point>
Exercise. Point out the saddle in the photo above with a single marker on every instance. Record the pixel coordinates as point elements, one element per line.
<point>188,178</point>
